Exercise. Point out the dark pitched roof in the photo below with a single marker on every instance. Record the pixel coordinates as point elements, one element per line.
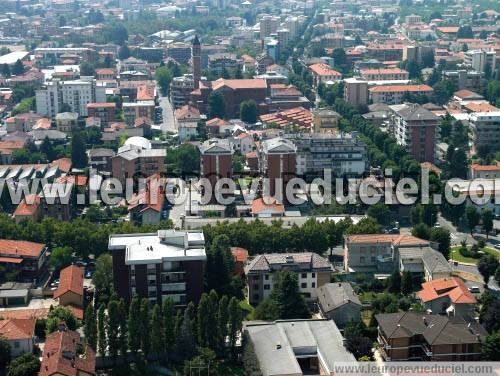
<point>335,295</point>
<point>436,329</point>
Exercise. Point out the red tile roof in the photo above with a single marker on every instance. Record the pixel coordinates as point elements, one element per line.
<point>64,164</point>
<point>78,180</point>
<point>258,205</point>
<point>239,254</point>
<point>71,364</point>
<point>452,287</point>
<point>28,313</point>
<point>20,248</point>
<point>253,83</point>
<point>324,70</point>
<point>478,167</point>
<point>448,29</point>
<point>28,206</point>
<point>464,94</point>
<point>16,329</point>
<point>71,279</point>
<point>395,239</point>
<point>400,88</point>
<point>101,105</point>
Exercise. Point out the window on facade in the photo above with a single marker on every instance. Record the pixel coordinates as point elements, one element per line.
<point>303,285</point>
<point>303,275</point>
<point>267,287</point>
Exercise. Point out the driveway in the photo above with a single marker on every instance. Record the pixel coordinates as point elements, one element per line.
<point>168,125</point>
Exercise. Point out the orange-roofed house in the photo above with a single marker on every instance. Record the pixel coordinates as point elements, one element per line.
<point>187,118</point>
<point>394,94</point>
<point>26,257</point>
<point>485,171</point>
<point>381,74</point>
<point>19,333</point>
<point>65,354</point>
<point>240,256</point>
<point>323,74</point>
<point>217,127</point>
<point>447,295</point>
<point>261,209</point>
<point>362,252</point>
<point>105,74</point>
<point>28,208</point>
<point>70,290</point>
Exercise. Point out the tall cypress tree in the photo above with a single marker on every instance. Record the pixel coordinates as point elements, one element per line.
<point>78,151</point>
<point>101,330</point>
<point>234,323</point>
<point>90,327</point>
<point>185,344</point>
<point>191,313</point>
<point>157,331</point>
<point>134,325</point>
<point>123,332</point>
<point>204,320</point>
<point>222,321</point>
<point>145,329</point>
<point>212,329</point>
<point>113,328</point>
<point>168,324</point>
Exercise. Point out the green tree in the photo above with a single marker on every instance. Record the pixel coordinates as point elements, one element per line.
<point>222,321</point>
<point>285,301</point>
<point>380,212</point>
<point>145,328</point>
<point>473,216</point>
<point>490,347</point>
<point>487,218</point>
<point>465,32</point>
<point>4,352</point>
<point>134,325</point>
<point>101,330</point>
<point>157,331</point>
<point>421,231</point>
<point>18,68</point>
<point>168,324</point>
<point>113,328</point>
<point>87,69</point>
<point>249,111</point>
<point>103,276</point>
<point>6,70</point>
<point>185,342</point>
<point>234,321</point>
<point>487,266</point>
<point>219,266</point>
<point>204,320</point>
<point>394,282</point>
<point>497,275</point>
<point>441,236</point>
<point>78,151</point>
<point>90,326</point>
<point>406,283</point>
<point>60,314</point>
<point>61,257</point>
<point>489,314</point>
<point>163,77</point>
<point>26,364</point>
<point>48,149</point>
<point>123,330</point>
<point>216,105</point>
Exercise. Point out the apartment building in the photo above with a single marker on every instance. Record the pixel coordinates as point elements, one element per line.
<point>343,154</point>
<point>74,95</point>
<point>384,74</point>
<point>325,120</point>
<point>355,91</point>
<point>417,129</point>
<point>486,129</point>
<point>394,94</point>
<point>278,160</point>
<point>312,271</point>
<point>66,121</point>
<point>481,60</point>
<point>405,336</point>
<point>157,266</point>
<point>221,62</point>
<point>323,74</point>
<point>364,252</point>
<point>26,257</point>
<point>180,88</point>
<point>140,109</point>
<point>268,25</point>
<point>105,112</point>
<point>216,161</point>
<point>136,158</point>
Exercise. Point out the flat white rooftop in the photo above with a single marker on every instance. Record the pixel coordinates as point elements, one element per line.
<point>154,248</point>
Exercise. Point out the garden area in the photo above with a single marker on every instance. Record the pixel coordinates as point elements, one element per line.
<point>471,254</point>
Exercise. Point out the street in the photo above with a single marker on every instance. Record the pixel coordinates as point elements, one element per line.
<point>168,125</point>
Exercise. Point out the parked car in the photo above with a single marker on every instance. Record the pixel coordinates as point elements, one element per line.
<point>474,289</point>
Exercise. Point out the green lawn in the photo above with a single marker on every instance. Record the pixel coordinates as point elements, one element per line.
<point>456,256</point>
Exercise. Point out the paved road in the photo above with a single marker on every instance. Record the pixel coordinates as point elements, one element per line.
<point>168,124</point>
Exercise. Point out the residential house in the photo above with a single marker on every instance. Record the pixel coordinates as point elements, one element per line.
<point>338,302</point>
<point>20,335</point>
<point>394,94</point>
<point>423,262</point>
<point>312,271</point>
<point>448,296</point>
<point>67,121</point>
<point>28,209</point>
<point>66,354</point>
<point>70,290</point>
<point>428,337</point>
<point>187,118</point>
<point>324,74</point>
<point>26,257</point>
<point>260,208</point>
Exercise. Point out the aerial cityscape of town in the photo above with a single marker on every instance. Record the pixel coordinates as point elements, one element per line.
<point>249,187</point>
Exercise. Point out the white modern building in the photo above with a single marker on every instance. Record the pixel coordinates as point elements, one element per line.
<point>56,96</point>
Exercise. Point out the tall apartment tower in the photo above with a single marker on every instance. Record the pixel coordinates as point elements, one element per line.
<point>355,91</point>
<point>196,61</point>
<point>216,161</point>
